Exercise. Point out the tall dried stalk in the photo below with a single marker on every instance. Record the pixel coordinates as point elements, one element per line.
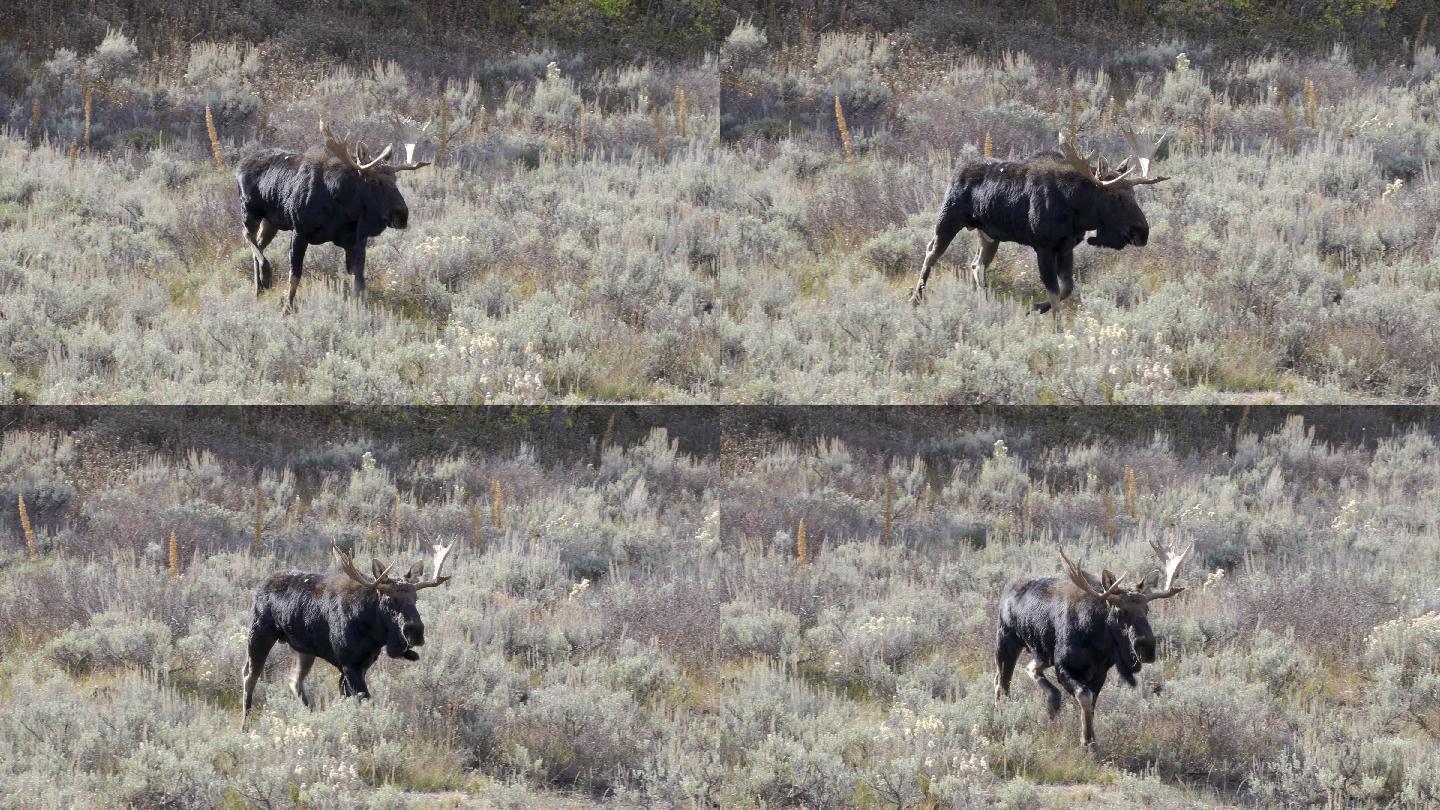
<point>844,130</point>
<point>74,154</point>
<point>25,527</point>
<point>609,430</point>
<point>214,140</point>
<point>1109,501</point>
<point>89,105</point>
<point>35,122</point>
<point>255,541</point>
<point>1074,113</point>
<point>497,504</point>
<point>800,542</point>
<point>889,510</point>
<point>1289,125</point>
<point>658,121</point>
<point>444,130</point>
<point>682,113</point>
<point>395,519</point>
<point>1028,519</point>
<point>1131,494</point>
<point>475,523</point>
<point>579,134</point>
<point>986,150</point>
<point>1210,121</point>
<point>1311,104</point>
<point>174,555</point>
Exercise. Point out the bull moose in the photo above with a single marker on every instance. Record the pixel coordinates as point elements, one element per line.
<point>1081,626</point>
<point>345,619</point>
<point>330,195</point>
<point>1048,202</point>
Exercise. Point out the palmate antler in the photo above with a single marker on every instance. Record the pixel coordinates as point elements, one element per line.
<point>1172,562</point>
<point>1141,155</point>
<point>359,161</point>
<point>1077,576</point>
<point>381,575</point>
<point>441,552</point>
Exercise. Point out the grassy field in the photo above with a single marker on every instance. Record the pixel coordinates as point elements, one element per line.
<point>633,624</point>
<point>1289,255</point>
<point>560,249</point>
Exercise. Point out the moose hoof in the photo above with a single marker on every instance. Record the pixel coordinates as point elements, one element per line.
<point>916,296</point>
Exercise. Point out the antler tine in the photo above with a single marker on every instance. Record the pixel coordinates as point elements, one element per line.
<point>336,147</point>
<point>1081,163</point>
<point>1077,575</point>
<point>347,565</point>
<point>385,153</point>
<point>441,553</point>
<point>1143,154</point>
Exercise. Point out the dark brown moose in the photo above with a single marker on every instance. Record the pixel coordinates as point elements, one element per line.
<point>345,619</point>
<point>1080,626</point>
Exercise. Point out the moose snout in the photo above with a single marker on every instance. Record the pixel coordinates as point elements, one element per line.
<point>398,219</point>
<point>414,635</point>
<point>1139,235</point>
<point>1145,650</point>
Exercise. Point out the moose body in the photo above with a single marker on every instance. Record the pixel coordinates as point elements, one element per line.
<point>346,620</point>
<point>1081,627</point>
<point>324,196</point>
<point>1048,203</point>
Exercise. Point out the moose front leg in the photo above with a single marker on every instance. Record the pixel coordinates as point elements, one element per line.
<point>355,266</point>
<point>1085,698</point>
<point>352,682</point>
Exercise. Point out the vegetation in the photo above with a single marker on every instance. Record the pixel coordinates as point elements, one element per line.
<point>634,624</point>
<point>1287,257</point>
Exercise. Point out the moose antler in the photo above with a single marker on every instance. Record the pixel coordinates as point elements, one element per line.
<point>339,150</point>
<point>347,565</point>
<point>400,122</point>
<point>441,552</point>
<point>1141,153</point>
<point>1082,164</point>
<point>1077,575</point>
<point>1171,561</point>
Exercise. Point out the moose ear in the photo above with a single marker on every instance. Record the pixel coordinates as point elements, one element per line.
<point>1150,582</point>
<point>1106,579</point>
<point>376,569</point>
<point>416,570</point>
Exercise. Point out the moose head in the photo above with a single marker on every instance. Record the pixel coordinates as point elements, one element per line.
<point>1130,606</point>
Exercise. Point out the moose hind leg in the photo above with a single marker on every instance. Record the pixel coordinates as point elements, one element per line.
<point>944,234</point>
<point>1036,671</point>
<point>258,649</point>
<point>297,269</point>
<point>981,263</point>
<point>303,663</point>
<point>1048,263</point>
<point>264,272</point>
<point>1007,651</point>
